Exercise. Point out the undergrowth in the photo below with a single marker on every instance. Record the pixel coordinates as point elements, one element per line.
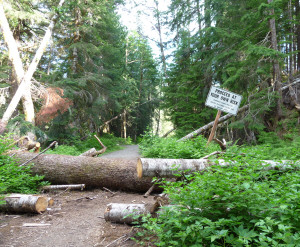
<point>13,178</point>
<point>243,204</point>
<point>77,147</point>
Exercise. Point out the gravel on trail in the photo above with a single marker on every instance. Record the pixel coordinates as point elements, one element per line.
<point>129,152</point>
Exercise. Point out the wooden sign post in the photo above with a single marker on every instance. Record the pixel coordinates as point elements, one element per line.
<point>222,100</point>
<point>214,128</point>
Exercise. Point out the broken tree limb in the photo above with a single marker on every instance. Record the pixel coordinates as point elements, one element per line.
<point>152,188</point>
<point>25,203</point>
<point>64,186</point>
<point>170,167</point>
<point>126,213</point>
<point>224,118</point>
<point>169,132</point>
<point>119,174</point>
<point>212,154</point>
<point>26,162</point>
<point>93,152</point>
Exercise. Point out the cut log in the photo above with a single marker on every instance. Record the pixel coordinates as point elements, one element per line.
<point>25,203</point>
<point>125,213</point>
<point>170,167</point>
<point>118,174</point>
<point>64,187</point>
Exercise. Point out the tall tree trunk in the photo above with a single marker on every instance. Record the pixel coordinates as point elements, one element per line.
<point>161,44</point>
<point>290,61</point>
<point>276,67</point>
<point>297,3</point>
<point>18,71</point>
<point>199,18</point>
<point>26,81</point>
<point>76,38</point>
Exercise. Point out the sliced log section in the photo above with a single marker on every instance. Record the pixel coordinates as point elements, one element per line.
<point>167,168</point>
<point>118,212</point>
<point>25,203</point>
<point>118,174</point>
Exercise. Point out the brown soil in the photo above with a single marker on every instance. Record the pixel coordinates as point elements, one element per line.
<point>76,220</point>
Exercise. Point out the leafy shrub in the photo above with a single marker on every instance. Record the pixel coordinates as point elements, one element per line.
<point>240,205</point>
<point>155,147</point>
<point>78,147</point>
<point>13,178</point>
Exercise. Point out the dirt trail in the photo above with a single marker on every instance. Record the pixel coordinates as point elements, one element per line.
<point>76,220</point>
<point>129,152</point>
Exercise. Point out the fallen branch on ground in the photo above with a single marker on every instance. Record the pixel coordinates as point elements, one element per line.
<point>63,187</point>
<point>93,152</point>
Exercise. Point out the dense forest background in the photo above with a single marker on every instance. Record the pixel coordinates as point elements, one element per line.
<point>95,76</point>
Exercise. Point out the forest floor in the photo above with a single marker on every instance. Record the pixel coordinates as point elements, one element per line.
<point>75,220</point>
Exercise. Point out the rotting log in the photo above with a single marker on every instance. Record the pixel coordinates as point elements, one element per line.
<point>167,168</point>
<point>118,174</point>
<point>20,203</point>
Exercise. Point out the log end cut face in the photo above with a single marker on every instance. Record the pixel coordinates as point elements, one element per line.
<point>140,169</point>
<point>42,204</point>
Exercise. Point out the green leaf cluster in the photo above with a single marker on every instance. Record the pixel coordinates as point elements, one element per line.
<point>13,178</point>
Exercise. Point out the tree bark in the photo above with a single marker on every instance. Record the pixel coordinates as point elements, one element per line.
<point>26,81</point>
<point>298,34</point>
<point>118,174</point>
<point>168,168</point>
<point>25,203</point>
<point>276,67</point>
<point>126,213</point>
<point>17,65</point>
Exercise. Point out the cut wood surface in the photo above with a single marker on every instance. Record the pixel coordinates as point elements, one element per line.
<point>25,203</point>
<point>113,173</point>
<point>169,167</point>
<point>64,187</point>
<point>118,212</point>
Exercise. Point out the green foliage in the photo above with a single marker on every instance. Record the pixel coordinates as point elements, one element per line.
<point>13,178</point>
<point>239,205</point>
<point>77,147</point>
<point>155,147</point>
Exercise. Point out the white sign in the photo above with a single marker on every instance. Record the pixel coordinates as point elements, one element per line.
<point>223,100</point>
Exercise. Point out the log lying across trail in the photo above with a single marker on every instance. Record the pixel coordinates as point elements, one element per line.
<point>166,168</point>
<point>119,174</point>
<point>25,203</point>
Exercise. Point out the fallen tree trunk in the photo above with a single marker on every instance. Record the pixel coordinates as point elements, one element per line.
<point>25,203</point>
<point>126,213</point>
<point>224,118</point>
<point>119,174</point>
<point>167,168</point>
